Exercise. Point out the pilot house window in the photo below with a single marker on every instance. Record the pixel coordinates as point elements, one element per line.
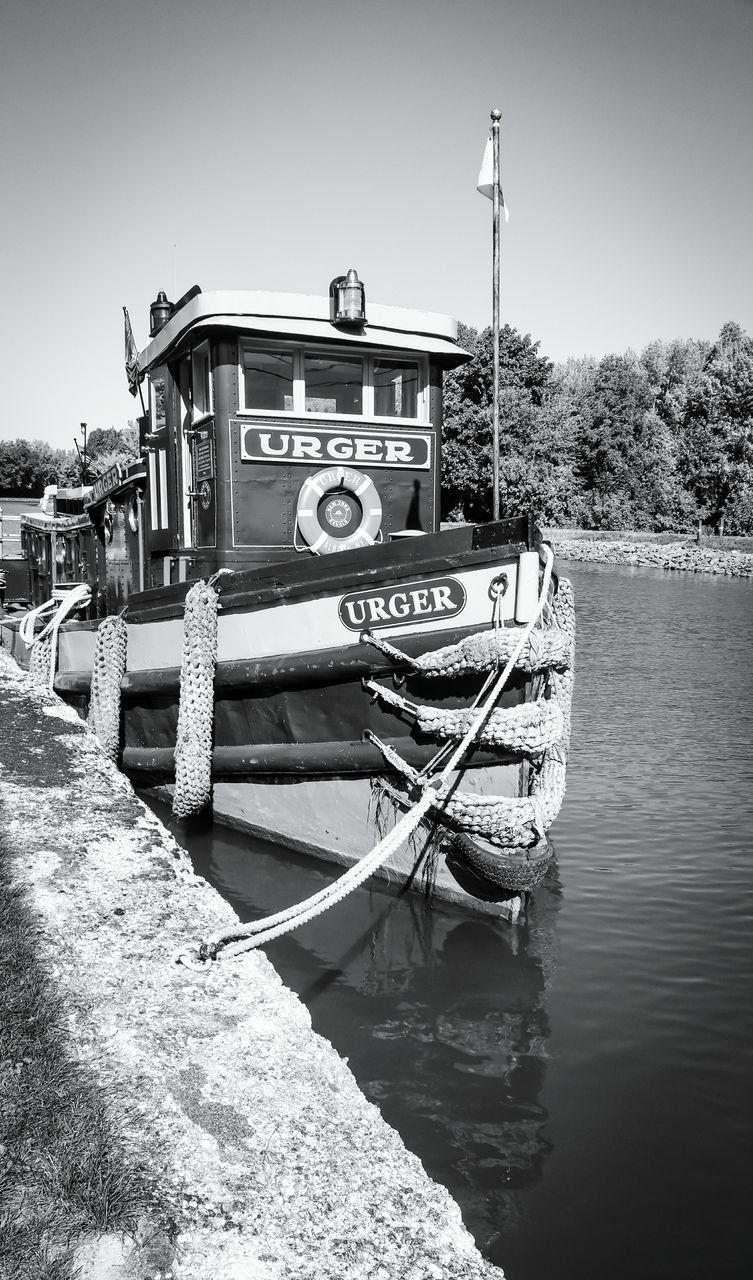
<point>201,385</point>
<point>268,380</point>
<point>334,384</point>
<point>395,389</point>
<point>299,381</point>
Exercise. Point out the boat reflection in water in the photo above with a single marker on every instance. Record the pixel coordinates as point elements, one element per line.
<point>442,1015</point>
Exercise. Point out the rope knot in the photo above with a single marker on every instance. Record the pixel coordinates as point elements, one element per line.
<point>191,958</point>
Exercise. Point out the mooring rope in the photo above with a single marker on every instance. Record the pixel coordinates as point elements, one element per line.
<point>245,937</point>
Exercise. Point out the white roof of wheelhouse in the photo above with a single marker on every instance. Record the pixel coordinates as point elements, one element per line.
<point>298,315</point>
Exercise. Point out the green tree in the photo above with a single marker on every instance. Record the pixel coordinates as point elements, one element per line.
<point>467,434</point>
<point>550,485</point>
<point>614,442</point>
<point>655,442</point>
<point>716,453</point>
<point>108,445</point>
<point>27,466</point>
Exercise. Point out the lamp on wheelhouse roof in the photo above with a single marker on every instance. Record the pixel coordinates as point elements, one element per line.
<point>347,299</point>
<point>159,313</point>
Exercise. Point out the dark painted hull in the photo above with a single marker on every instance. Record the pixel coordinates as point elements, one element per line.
<point>289,757</point>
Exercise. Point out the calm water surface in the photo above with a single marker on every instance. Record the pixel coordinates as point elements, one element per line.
<point>581,1082</point>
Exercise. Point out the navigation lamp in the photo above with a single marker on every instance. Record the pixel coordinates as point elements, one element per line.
<point>347,299</point>
<point>159,313</point>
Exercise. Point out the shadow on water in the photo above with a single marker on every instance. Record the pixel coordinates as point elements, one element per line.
<point>441,1015</point>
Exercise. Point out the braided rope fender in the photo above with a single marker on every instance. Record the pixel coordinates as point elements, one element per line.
<point>519,821</point>
<point>530,727</point>
<point>563,678</point>
<point>40,661</point>
<point>544,650</point>
<point>193,746</point>
<point>110,653</point>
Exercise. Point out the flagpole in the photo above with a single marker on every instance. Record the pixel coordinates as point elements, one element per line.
<point>141,398</point>
<point>495,116</point>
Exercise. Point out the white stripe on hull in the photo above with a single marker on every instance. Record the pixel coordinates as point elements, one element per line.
<point>313,625</point>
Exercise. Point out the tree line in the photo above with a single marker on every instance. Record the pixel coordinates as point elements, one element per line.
<point>656,441</point>
<point>28,466</point>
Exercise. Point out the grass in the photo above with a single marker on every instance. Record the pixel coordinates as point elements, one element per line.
<point>66,1168</point>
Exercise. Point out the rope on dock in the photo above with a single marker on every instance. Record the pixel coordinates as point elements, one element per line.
<point>245,937</point>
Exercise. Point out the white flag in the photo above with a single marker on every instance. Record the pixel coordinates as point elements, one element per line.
<point>485,182</point>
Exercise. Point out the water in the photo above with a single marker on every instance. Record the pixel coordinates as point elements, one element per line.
<point>581,1082</point>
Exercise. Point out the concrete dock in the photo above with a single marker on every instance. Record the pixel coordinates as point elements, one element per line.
<point>271,1163</point>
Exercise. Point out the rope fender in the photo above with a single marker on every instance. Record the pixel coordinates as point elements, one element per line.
<point>40,661</point>
<point>530,727</point>
<point>513,820</point>
<point>549,649</point>
<point>507,820</point>
<point>108,669</point>
<point>193,744</point>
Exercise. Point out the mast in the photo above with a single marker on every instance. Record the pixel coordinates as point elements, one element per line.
<point>495,116</point>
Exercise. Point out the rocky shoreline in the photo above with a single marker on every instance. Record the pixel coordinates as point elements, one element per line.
<point>684,555</point>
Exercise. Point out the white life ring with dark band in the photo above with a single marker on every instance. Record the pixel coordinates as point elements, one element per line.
<point>354,484</point>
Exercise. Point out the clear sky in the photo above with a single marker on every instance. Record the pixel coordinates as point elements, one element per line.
<point>266,144</point>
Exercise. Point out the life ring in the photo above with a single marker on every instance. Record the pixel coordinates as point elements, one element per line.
<point>355,501</point>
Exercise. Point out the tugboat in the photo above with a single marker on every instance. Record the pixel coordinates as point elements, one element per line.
<point>288,635</point>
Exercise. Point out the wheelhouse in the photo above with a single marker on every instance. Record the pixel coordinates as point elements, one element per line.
<point>276,427</point>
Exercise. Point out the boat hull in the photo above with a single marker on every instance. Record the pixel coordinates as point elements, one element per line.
<point>312,742</point>
<point>339,820</point>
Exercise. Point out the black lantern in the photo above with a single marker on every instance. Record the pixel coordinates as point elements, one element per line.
<point>159,313</point>
<point>347,300</point>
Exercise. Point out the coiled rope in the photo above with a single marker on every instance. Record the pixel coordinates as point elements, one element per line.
<point>44,646</point>
<point>193,745</point>
<point>110,654</point>
<point>245,937</point>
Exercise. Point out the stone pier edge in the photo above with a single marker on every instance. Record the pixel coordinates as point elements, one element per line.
<point>273,1163</point>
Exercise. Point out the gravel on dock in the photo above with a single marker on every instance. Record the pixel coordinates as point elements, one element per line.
<point>271,1164</point>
